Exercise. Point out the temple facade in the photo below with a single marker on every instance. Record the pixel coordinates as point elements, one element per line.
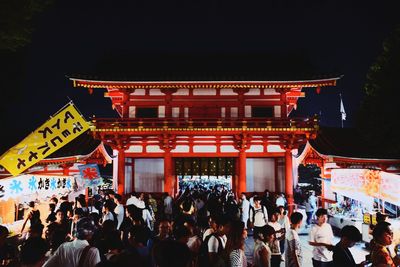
<point>167,130</point>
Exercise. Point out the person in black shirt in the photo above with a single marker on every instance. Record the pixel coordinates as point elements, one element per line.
<point>342,256</point>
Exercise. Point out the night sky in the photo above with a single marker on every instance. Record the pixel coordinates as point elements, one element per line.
<point>72,37</point>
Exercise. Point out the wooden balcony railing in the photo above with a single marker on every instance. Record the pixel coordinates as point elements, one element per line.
<point>190,123</point>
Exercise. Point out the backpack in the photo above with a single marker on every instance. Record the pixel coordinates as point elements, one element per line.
<point>263,209</point>
<point>204,260</point>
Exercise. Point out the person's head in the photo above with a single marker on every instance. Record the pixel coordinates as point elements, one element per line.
<point>322,216</point>
<point>257,201</point>
<point>107,207</point>
<point>52,207</point>
<point>223,225</point>
<point>212,222</point>
<point>381,217</point>
<point>275,215</point>
<point>243,196</point>
<point>383,233</point>
<point>59,216</point>
<point>138,235</point>
<point>282,210</point>
<point>295,219</point>
<point>117,199</point>
<point>31,204</point>
<point>267,233</point>
<point>54,200</point>
<point>33,252</point>
<point>85,229</point>
<point>349,236</point>
<point>182,233</point>
<point>164,228</point>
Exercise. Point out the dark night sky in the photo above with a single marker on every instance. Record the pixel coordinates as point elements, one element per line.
<point>74,36</point>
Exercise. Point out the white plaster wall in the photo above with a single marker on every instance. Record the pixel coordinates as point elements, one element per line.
<point>256,148</point>
<point>205,149</point>
<point>277,111</point>
<point>274,148</point>
<point>247,111</point>
<point>128,175</point>
<point>175,112</point>
<point>135,149</point>
<point>139,92</point>
<point>153,149</point>
<point>132,111</point>
<point>181,92</point>
<point>260,174</point>
<point>204,92</point>
<point>254,91</point>
<point>161,111</point>
<point>234,112</point>
<point>223,110</point>
<point>149,175</point>
<point>270,92</point>
<point>155,92</point>
<point>228,149</point>
<point>181,149</point>
<point>227,92</point>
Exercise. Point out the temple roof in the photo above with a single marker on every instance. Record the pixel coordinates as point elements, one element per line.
<point>207,67</point>
<point>346,143</point>
<point>79,148</point>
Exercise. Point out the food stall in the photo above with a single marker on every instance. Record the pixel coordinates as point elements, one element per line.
<point>368,191</point>
<point>16,192</point>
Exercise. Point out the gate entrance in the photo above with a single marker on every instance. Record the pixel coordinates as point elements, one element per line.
<point>204,173</point>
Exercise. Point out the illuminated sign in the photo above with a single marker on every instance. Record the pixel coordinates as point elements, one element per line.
<point>361,183</point>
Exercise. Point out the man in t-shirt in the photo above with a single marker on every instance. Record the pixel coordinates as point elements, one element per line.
<point>258,216</point>
<point>293,253</point>
<point>216,242</point>
<point>321,237</point>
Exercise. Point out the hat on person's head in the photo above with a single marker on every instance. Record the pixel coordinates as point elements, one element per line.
<point>84,228</point>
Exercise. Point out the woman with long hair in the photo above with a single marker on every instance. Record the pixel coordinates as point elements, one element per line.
<point>234,248</point>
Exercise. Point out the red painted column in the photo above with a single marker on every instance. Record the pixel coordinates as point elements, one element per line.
<point>121,172</point>
<point>289,179</point>
<point>168,182</point>
<point>242,171</point>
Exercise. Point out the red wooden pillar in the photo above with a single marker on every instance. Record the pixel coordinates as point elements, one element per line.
<point>283,105</point>
<point>168,179</point>
<point>121,172</point>
<point>242,171</point>
<point>289,179</point>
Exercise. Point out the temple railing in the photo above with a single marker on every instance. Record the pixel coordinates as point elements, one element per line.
<point>218,123</point>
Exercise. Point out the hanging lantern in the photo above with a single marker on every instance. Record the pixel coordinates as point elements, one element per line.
<point>318,90</point>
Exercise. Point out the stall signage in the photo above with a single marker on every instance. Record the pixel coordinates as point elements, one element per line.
<point>361,183</point>
<point>90,175</point>
<point>41,185</point>
<point>59,130</point>
<point>367,218</point>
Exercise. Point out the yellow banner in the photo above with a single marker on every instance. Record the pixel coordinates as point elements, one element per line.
<point>62,128</point>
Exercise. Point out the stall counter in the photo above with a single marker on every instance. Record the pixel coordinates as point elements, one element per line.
<point>339,221</point>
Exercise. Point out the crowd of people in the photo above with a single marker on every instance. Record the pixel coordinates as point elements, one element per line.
<point>195,229</point>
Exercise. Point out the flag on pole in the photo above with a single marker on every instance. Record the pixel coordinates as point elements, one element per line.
<point>59,130</point>
<point>342,111</point>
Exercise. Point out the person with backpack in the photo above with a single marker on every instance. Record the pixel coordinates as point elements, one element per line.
<point>211,250</point>
<point>258,216</point>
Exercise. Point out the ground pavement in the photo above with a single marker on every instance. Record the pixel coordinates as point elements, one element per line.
<point>358,250</point>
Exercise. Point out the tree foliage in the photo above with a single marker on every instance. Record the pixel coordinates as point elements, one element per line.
<point>16,22</point>
<point>379,118</point>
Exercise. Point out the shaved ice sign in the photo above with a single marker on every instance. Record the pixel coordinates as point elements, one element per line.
<point>41,185</point>
<point>359,183</point>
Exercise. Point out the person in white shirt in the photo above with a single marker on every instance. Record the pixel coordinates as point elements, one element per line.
<point>321,237</point>
<point>262,251</point>
<point>258,215</point>
<point>137,201</point>
<point>71,253</point>
<point>107,214</point>
<point>311,207</point>
<point>279,234</point>
<point>293,251</point>
<point>119,210</point>
<point>168,206</point>
<point>214,249</point>
<point>244,209</point>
